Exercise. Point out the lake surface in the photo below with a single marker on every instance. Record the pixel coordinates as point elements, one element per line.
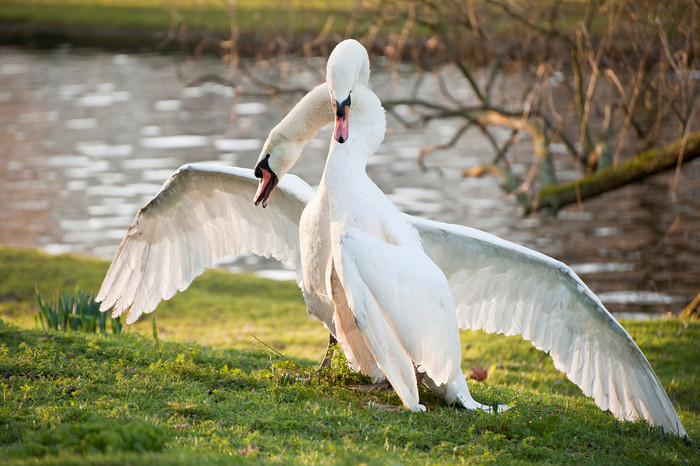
<point>89,137</point>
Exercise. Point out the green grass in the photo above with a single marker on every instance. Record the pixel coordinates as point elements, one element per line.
<point>218,310</point>
<point>99,398</point>
<point>254,16</point>
<point>213,15</point>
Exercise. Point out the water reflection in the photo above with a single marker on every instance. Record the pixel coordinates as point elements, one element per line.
<point>99,149</point>
<point>89,138</point>
<point>238,145</point>
<point>181,141</point>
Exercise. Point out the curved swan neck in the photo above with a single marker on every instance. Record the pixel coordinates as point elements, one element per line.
<point>309,115</point>
<point>286,141</point>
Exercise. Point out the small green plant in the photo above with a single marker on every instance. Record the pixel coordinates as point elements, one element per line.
<point>75,311</point>
<point>155,337</point>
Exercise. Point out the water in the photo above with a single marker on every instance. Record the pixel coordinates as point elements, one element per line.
<point>88,138</point>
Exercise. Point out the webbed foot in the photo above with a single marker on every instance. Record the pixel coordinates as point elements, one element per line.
<point>468,402</point>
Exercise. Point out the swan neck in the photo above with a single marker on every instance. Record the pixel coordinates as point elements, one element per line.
<point>367,123</point>
<point>313,112</point>
<point>347,162</point>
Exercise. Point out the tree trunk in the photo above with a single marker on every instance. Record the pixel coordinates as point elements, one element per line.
<point>645,164</point>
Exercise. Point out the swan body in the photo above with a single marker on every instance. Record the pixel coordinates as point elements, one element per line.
<point>203,213</point>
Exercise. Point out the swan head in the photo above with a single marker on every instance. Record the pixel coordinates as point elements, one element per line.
<point>286,141</point>
<point>348,67</point>
<point>278,155</point>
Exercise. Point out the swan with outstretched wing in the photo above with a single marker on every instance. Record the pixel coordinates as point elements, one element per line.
<point>204,213</point>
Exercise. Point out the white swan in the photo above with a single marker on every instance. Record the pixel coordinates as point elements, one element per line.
<point>204,213</point>
<point>398,299</point>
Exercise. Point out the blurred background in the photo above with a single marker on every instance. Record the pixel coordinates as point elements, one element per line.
<point>569,127</point>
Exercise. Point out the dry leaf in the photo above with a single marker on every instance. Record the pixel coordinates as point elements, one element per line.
<point>478,373</point>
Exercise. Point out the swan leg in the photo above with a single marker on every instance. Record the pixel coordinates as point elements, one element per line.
<point>328,358</point>
<point>419,377</point>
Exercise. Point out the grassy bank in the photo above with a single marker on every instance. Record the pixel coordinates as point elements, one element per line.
<point>264,27</point>
<point>130,24</point>
<point>252,15</point>
<point>75,397</point>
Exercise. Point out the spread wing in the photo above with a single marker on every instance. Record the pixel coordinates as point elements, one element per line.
<point>501,287</point>
<point>201,214</point>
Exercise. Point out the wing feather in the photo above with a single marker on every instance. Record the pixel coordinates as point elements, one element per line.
<point>202,213</point>
<point>502,287</point>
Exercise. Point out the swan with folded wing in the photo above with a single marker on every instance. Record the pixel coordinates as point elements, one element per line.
<point>204,213</point>
<point>384,287</point>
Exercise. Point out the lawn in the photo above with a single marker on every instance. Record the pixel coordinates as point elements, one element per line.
<point>253,16</point>
<point>208,392</point>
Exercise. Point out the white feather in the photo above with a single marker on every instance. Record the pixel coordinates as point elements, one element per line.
<point>202,214</point>
<point>556,311</point>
